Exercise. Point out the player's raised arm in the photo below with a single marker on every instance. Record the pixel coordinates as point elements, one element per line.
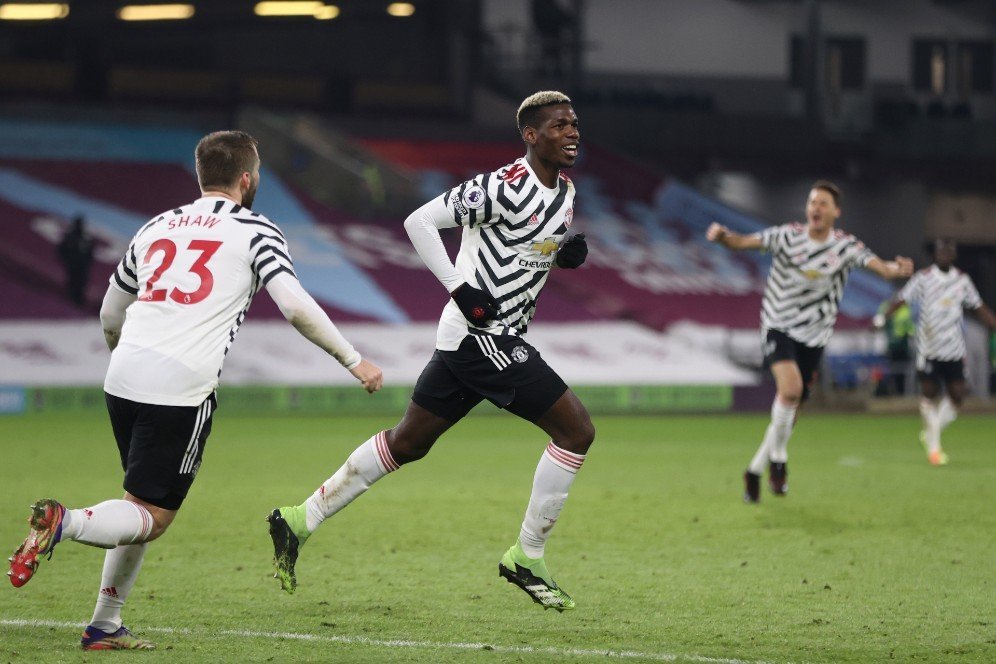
<point>720,234</point>
<point>301,311</point>
<point>900,268</point>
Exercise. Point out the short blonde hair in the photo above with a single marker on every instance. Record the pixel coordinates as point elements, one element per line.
<point>528,109</point>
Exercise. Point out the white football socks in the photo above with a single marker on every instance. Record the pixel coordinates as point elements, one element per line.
<point>774,445</point>
<point>368,463</point>
<point>108,524</point>
<point>121,566</point>
<point>931,424</point>
<point>783,419</point>
<point>946,413</point>
<point>555,473</point>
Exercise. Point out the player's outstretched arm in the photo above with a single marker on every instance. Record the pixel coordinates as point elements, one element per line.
<point>900,268</point>
<point>720,234</point>
<point>985,316</point>
<point>112,314</point>
<point>301,311</point>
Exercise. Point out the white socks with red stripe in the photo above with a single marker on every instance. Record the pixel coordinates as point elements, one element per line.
<point>108,524</point>
<point>368,463</point>
<point>554,475</point>
<point>774,446</point>
<point>121,567</point>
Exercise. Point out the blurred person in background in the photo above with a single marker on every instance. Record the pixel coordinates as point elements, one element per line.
<point>515,224</point>
<point>551,22</point>
<point>809,268</point>
<point>171,312</point>
<point>899,331</point>
<point>940,294</point>
<point>76,256</point>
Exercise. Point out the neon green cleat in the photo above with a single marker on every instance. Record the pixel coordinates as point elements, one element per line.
<point>289,532</point>
<point>534,578</point>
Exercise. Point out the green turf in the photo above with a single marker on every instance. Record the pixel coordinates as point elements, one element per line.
<point>873,556</point>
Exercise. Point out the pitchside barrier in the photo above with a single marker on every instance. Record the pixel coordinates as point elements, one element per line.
<point>265,400</point>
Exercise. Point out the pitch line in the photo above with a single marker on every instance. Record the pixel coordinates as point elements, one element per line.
<point>407,643</point>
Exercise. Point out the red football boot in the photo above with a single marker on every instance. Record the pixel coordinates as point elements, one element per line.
<point>46,529</point>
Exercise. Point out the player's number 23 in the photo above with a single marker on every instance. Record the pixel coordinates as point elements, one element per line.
<point>207,248</point>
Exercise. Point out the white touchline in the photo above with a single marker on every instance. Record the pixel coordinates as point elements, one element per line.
<point>406,643</point>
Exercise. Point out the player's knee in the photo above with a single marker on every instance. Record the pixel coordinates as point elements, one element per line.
<point>158,528</point>
<point>587,434</point>
<point>790,396</point>
<point>405,449</point>
<point>580,438</point>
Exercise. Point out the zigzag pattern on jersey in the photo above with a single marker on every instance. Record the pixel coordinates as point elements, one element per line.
<point>273,245</point>
<point>790,303</point>
<point>939,333</point>
<point>516,289</point>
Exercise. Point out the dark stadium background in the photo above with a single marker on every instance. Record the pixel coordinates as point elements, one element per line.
<point>690,110</point>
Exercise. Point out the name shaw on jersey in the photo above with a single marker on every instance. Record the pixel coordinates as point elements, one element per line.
<point>199,220</point>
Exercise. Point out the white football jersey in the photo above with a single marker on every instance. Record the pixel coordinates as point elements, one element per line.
<point>940,299</point>
<point>513,226</point>
<point>806,281</point>
<point>194,271</point>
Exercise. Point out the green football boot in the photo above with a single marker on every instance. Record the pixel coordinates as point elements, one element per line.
<point>289,533</point>
<point>532,576</point>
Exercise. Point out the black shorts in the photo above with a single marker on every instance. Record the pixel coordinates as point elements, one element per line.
<point>505,370</point>
<point>160,446</point>
<point>779,346</point>
<point>940,371</point>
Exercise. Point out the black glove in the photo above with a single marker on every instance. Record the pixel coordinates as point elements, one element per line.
<point>476,305</point>
<point>572,253</point>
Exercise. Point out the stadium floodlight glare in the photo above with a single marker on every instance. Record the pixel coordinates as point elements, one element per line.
<point>326,12</point>
<point>401,9</point>
<point>176,12</point>
<point>19,11</point>
<point>316,9</point>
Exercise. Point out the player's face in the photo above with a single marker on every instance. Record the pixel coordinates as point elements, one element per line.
<point>558,138</point>
<point>821,211</point>
<point>944,255</point>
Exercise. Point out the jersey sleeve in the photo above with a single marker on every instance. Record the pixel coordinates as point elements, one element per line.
<point>857,254</point>
<point>773,238</point>
<point>910,292</point>
<point>972,299</point>
<point>270,254</point>
<point>473,203</point>
<point>125,275</point>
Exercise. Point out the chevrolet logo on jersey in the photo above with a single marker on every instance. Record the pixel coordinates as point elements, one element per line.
<point>546,247</point>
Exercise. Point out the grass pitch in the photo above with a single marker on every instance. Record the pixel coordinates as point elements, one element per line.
<point>873,556</point>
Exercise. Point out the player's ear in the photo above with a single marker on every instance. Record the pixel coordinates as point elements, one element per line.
<point>529,135</point>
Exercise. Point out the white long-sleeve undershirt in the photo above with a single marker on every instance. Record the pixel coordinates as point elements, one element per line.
<point>301,311</point>
<point>423,227</point>
<point>297,306</point>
